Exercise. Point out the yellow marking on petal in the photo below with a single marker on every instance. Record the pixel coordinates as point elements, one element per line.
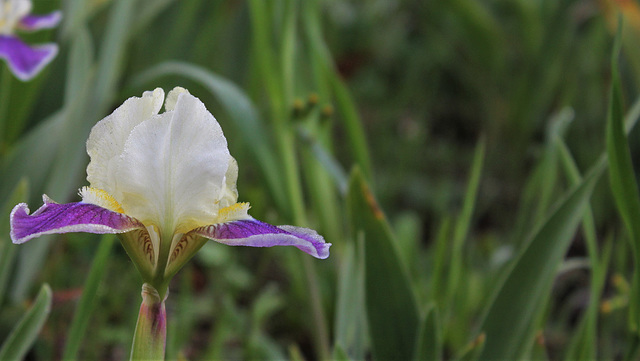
<point>100,198</point>
<point>233,212</point>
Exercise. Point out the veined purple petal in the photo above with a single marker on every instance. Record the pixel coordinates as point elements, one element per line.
<point>64,218</point>
<point>37,22</point>
<point>23,60</point>
<point>254,233</point>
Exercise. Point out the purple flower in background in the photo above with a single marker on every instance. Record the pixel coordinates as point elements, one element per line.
<point>25,61</point>
<point>166,183</point>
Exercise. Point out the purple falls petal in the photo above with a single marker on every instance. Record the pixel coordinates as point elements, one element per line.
<point>25,61</point>
<point>37,22</point>
<point>254,233</point>
<point>64,218</point>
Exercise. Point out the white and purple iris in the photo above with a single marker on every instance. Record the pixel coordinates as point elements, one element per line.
<point>25,61</point>
<point>166,183</point>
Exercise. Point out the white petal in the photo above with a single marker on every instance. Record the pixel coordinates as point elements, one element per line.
<point>100,198</point>
<point>229,194</point>
<point>11,12</point>
<point>172,98</point>
<point>108,136</point>
<point>173,168</point>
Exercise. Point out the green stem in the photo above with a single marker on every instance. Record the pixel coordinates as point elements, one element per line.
<point>5,98</point>
<point>150,336</point>
<point>280,90</point>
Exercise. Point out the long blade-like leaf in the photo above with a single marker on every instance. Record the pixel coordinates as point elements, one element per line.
<point>429,343</point>
<point>390,302</point>
<point>623,181</point>
<point>509,319</point>
<point>88,300</point>
<point>7,249</point>
<point>24,334</point>
<point>350,325</point>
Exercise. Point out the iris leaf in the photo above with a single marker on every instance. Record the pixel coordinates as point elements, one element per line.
<point>16,346</point>
<point>392,312</point>
<point>88,300</point>
<point>623,181</point>
<point>509,319</point>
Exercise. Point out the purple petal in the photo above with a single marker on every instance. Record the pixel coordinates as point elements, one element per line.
<point>23,60</point>
<point>37,22</point>
<point>64,218</point>
<point>254,233</point>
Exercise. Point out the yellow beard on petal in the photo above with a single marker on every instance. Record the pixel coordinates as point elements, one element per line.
<point>100,198</point>
<point>233,212</point>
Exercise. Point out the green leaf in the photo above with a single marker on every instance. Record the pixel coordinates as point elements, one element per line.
<point>353,125</point>
<point>517,303</point>
<point>263,51</point>
<point>350,323</point>
<point>79,66</point>
<point>464,221</point>
<point>88,300</point>
<point>623,181</point>
<point>328,80</point>
<point>21,338</point>
<point>583,345</point>
<point>339,354</point>
<point>392,312</point>
<point>112,53</point>
<point>472,351</point>
<point>440,260</point>
<point>8,249</point>
<point>429,345</point>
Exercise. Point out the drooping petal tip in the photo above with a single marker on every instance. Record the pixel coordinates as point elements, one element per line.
<point>254,233</point>
<point>37,22</point>
<point>65,218</point>
<point>25,61</point>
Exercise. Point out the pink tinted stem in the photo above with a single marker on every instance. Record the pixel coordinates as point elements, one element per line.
<point>150,336</point>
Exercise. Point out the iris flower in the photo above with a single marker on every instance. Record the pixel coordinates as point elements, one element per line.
<point>23,60</point>
<point>166,184</point>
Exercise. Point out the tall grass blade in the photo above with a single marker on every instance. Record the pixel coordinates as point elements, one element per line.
<point>353,125</point>
<point>473,350</point>
<point>510,317</point>
<point>265,57</point>
<point>464,220</point>
<point>112,53</point>
<point>16,346</point>
<point>623,182</point>
<point>328,80</point>
<point>329,162</point>
<point>350,323</point>
<point>8,249</point>
<point>88,302</point>
<point>429,345</point>
<point>392,312</point>
<point>584,343</point>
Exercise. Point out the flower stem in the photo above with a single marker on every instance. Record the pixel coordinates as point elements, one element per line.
<point>150,336</point>
<point>5,93</point>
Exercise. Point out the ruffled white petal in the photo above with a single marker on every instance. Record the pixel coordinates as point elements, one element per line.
<point>107,139</point>
<point>11,12</point>
<point>100,198</point>
<point>172,98</point>
<point>172,171</point>
<point>229,194</point>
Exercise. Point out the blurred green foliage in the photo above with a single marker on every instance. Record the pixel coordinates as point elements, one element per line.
<point>452,151</point>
